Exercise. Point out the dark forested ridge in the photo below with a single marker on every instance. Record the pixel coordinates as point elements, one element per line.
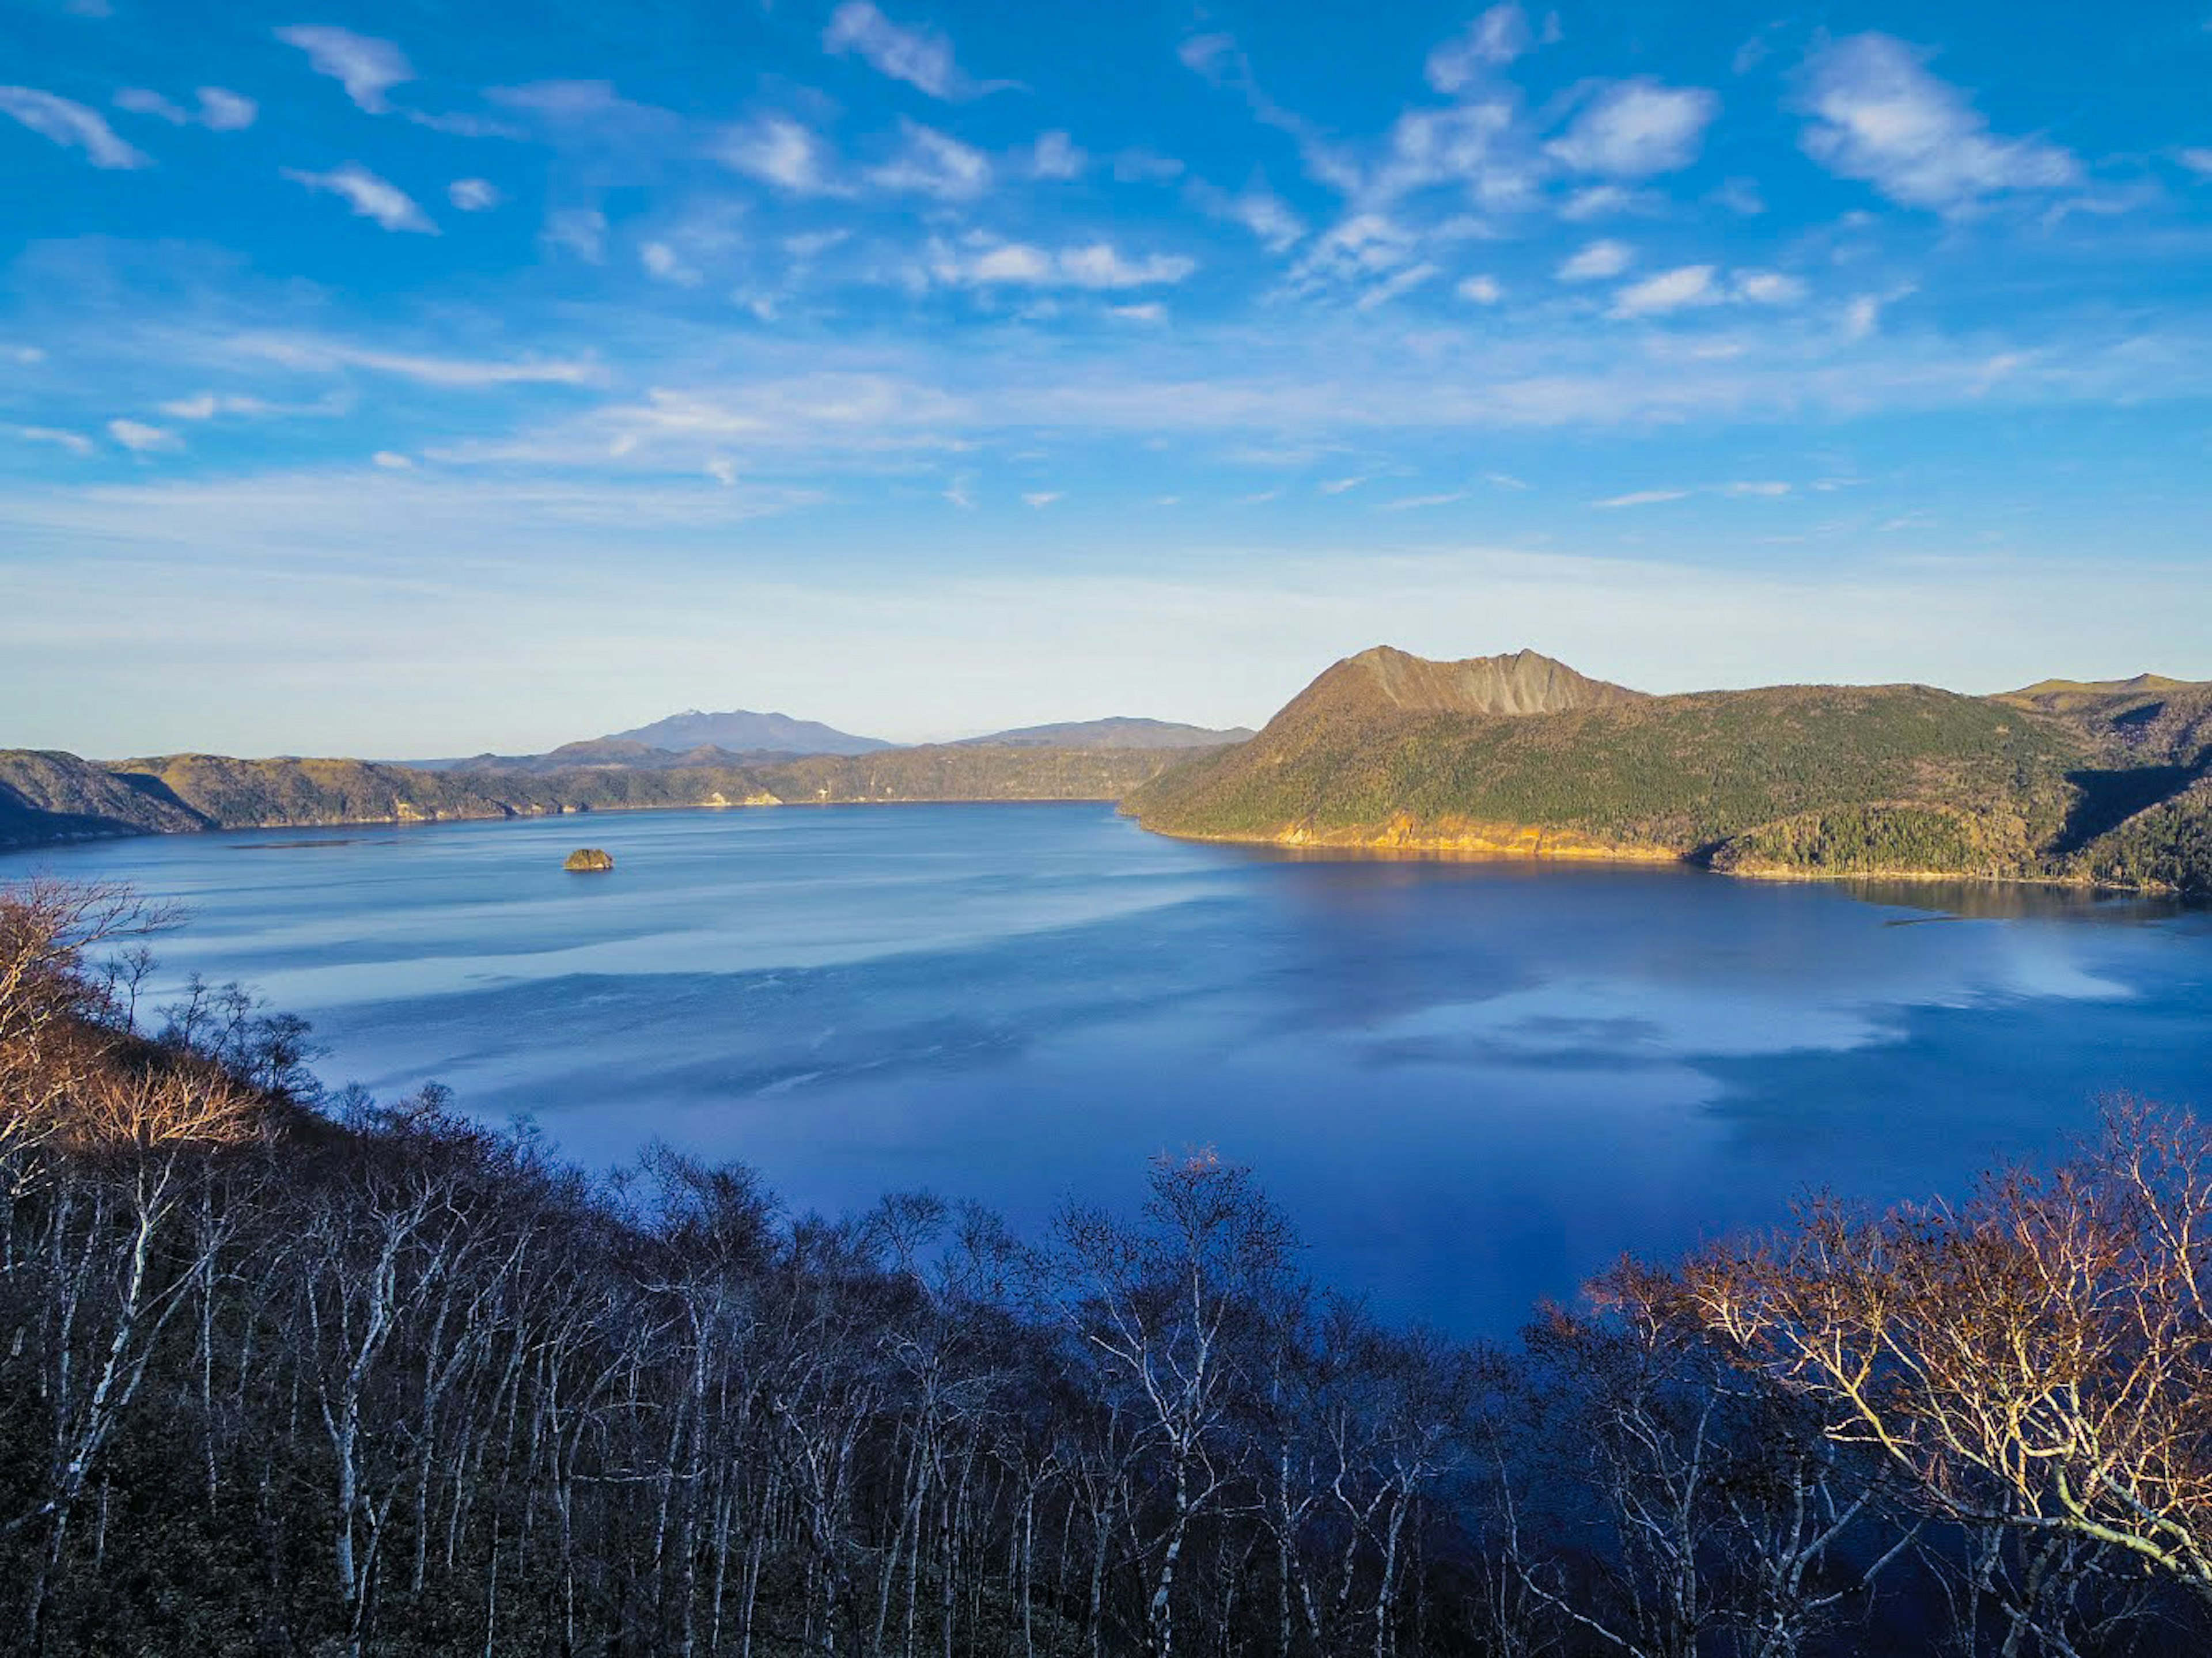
<point>293,1374</point>
<point>47,796</point>
<point>1520,754</point>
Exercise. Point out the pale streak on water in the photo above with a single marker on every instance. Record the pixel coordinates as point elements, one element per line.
<point>1472,1084</point>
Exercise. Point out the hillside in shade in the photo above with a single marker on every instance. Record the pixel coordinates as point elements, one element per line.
<point>1119,733</point>
<point>740,730</point>
<point>1521,754</point>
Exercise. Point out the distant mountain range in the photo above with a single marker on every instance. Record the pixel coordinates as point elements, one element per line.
<point>740,730</point>
<point>1122,732</point>
<point>742,738</point>
<point>2065,781</point>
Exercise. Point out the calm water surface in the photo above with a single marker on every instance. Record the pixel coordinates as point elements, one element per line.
<point>1473,1084</point>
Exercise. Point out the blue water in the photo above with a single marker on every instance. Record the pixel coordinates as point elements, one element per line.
<point>1473,1084</point>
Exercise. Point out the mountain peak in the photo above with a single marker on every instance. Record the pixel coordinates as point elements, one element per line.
<point>745,730</point>
<point>1524,682</point>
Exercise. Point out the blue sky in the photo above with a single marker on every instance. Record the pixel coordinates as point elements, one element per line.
<point>428,377</point>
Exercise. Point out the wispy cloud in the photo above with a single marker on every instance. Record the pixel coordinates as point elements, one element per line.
<point>1493,40</point>
<point>578,231</point>
<point>369,196</point>
<point>1256,208</point>
<point>1480,291</point>
<point>779,150</point>
<point>933,163</point>
<point>1597,261</point>
<point>1041,498</point>
<point>1879,116</point>
<point>71,125</point>
<point>1637,129</point>
<point>140,438</point>
<point>474,195</point>
<point>322,354</point>
<point>366,67</point>
<point>919,56</point>
<point>665,263</point>
<point>76,442</point>
<point>1669,290</point>
<point>1643,498</point>
<point>1055,156</point>
<point>218,111</point>
<point>1416,503</point>
<point>983,263</point>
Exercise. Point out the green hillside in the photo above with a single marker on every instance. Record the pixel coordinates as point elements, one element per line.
<point>1803,779</point>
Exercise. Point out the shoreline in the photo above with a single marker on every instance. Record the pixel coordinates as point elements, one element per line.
<point>1435,849</point>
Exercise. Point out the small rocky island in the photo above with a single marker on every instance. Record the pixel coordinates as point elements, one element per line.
<point>589,860</point>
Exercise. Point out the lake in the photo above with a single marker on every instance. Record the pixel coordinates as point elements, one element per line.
<point>1472,1084</point>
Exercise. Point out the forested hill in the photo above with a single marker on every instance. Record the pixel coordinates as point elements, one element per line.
<point>1521,754</point>
<point>46,796</point>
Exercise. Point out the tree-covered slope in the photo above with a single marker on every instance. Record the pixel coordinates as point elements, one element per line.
<point>1815,780</point>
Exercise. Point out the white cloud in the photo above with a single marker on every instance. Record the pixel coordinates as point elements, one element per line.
<point>1338,486</point>
<point>141,100</point>
<point>1100,265</point>
<point>1256,208</point>
<point>366,67</point>
<point>390,460</point>
<point>922,58</point>
<point>139,438</point>
<point>666,265</point>
<point>581,231</point>
<point>1415,503</point>
<point>1398,283</point>
<point>208,404</point>
<point>474,195</point>
<point>316,354</point>
<point>1669,290</point>
<point>1768,491</point>
<point>369,196</point>
<point>1043,497</point>
<point>780,151</point>
<point>1596,202</point>
<point>1209,55</point>
<point>220,110</point>
<point>1055,155</point>
<point>1494,40</point>
<point>1643,498</point>
<point>1878,115</point>
<point>1767,286</point>
<point>1503,480</point>
<point>1480,291</point>
<point>71,125</point>
<point>983,264</point>
<point>223,110</point>
<point>724,471</point>
<point>76,442</point>
<point>2197,161</point>
<point>1862,317</point>
<point>935,164</point>
<point>1597,261</point>
<point>1638,127</point>
<point>1151,311</point>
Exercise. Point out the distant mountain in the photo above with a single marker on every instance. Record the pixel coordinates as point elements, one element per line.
<point>1521,754</point>
<point>740,730</point>
<point>1115,733</point>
